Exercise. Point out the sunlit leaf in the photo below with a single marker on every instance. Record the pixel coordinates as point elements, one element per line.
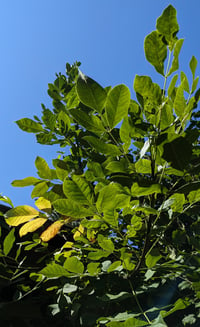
<point>25,181</point>
<point>51,231</point>
<point>152,258</point>
<point>20,215</point>
<point>43,169</point>
<point>43,204</point>
<point>31,226</point>
<point>175,61</point>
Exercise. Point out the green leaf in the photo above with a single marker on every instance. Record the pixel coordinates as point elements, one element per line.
<point>40,189</point>
<point>25,181</point>
<point>178,202</point>
<point>74,265</point>
<point>89,121</point>
<point>105,243</point>
<point>175,61</point>
<point>20,215</point>
<point>63,122</point>
<point>78,190</point>
<point>152,258</point>
<point>178,153</point>
<point>194,84</point>
<point>93,268</point>
<point>172,85</point>
<point>120,166</point>
<point>166,117</point>
<point>112,196</point>
<point>114,266</point>
<point>167,24</point>
<point>193,66</point>
<point>194,196</point>
<point>137,190</point>
<point>91,93</point>
<point>143,166</point>
<point>70,208</point>
<point>53,270</point>
<point>185,82</point>
<point>97,255</point>
<point>43,169</point>
<point>49,118</point>
<point>9,241</point>
<point>155,51</point>
<point>117,104</point>
<point>124,133</point>
<point>100,146</point>
<point>180,102</point>
<point>72,98</point>
<point>29,125</point>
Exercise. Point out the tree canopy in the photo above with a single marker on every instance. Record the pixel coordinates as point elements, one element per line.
<point>114,237</point>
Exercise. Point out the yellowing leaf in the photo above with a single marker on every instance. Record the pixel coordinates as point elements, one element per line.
<point>43,204</point>
<point>20,215</point>
<point>68,245</point>
<point>79,232</point>
<point>51,231</point>
<point>31,226</point>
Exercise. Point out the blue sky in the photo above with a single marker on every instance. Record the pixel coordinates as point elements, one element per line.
<point>38,37</point>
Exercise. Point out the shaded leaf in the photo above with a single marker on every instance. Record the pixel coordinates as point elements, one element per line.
<point>9,241</point>
<point>77,189</point>
<point>100,146</point>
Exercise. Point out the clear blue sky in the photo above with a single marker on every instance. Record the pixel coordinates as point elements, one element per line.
<point>39,36</point>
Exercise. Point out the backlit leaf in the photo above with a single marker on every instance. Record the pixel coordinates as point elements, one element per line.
<point>31,226</point>
<point>77,189</point>
<point>25,181</point>
<point>193,66</point>
<point>91,93</point>
<point>43,204</point>
<point>167,24</point>
<point>155,51</point>
<point>74,265</point>
<point>43,169</point>
<point>20,215</point>
<point>117,104</point>
<point>29,125</point>
<point>51,231</point>
<point>70,208</point>
<point>175,61</point>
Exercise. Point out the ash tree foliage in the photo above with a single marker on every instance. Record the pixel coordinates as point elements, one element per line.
<point>115,238</point>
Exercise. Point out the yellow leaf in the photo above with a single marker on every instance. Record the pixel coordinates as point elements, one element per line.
<point>68,245</point>
<point>43,204</point>
<point>31,226</point>
<point>20,215</point>
<point>91,235</point>
<point>51,231</point>
<point>79,232</point>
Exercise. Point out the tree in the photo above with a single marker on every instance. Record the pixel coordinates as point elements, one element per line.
<point>115,238</point>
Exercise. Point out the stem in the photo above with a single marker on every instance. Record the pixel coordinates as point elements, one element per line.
<point>167,71</point>
<point>138,303</point>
